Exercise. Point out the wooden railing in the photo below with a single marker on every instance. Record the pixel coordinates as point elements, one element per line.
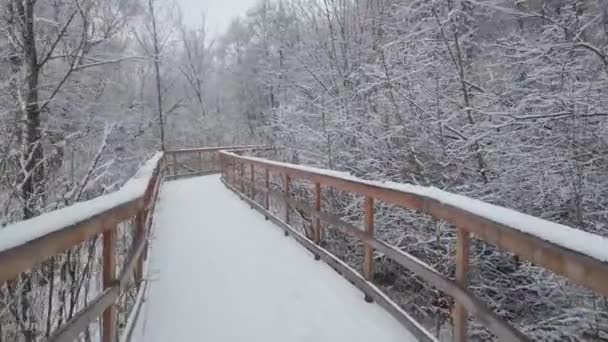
<point>200,161</point>
<point>28,243</point>
<point>41,238</point>
<point>242,175</point>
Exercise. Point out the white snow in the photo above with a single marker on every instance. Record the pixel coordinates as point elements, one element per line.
<point>220,272</point>
<point>589,244</point>
<point>24,231</point>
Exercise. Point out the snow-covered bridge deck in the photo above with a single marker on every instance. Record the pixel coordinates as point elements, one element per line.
<point>220,272</point>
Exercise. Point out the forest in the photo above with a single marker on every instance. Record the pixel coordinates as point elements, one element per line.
<point>505,101</point>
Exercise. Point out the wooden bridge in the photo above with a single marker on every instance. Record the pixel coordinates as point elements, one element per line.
<point>220,272</point>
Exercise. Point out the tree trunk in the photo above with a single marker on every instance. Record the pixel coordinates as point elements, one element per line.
<point>158,80</point>
<point>32,153</point>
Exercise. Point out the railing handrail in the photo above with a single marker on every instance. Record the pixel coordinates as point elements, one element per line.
<point>583,265</point>
<point>25,243</point>
<point>214,149</point>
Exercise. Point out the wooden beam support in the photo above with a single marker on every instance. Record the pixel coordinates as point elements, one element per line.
<point>139,235</point>
<point>460,314</point>
<point>267,186</point>
<point>287,181</point>
<point>317,222</point>
<point>252,182</point>
<point>368,251</point>
<point>242,177</point>
<point>174,155</point>
<point>108,330</point>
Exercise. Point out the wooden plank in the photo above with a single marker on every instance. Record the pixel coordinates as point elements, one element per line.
<point>21,258</point>
<point>462,267</point>
<point>108,329</point>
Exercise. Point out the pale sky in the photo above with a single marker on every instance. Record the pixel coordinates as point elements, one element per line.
<point>219,12</point>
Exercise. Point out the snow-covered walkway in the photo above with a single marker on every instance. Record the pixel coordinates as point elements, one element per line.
<point>219,273</point>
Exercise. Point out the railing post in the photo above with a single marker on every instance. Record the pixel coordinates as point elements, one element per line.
<point>243,178</point>
<point>252,182</point>
<point>217,158</point>
<point>317,220</point>
<point>174,155</point>
<point>287,181</point>
<point>200,161</point>
<point>140,221</point>
<point>223,165</point>
<point>267,184</point>
<point>108,330</point>
<point>462,267</point>
<point>368,251</point>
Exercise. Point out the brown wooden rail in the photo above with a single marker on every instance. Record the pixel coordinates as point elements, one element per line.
<point>580,268</point>
<point>139,208</point>
<point>200,161</point>
<point>20,258</point>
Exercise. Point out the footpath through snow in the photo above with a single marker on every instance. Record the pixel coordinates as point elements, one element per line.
<point>220,272</point>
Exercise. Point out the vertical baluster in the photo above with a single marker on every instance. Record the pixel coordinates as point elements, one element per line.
<point>267,184</point>
<point>462,267</point>
<point>317,220</point>
<point>174,155</point>
<point>368,251</point>
<point>139,235</point>
<point>252,182</point>
<point>200,161</point>
<point>287,181</point>
<point>243,178</point>
<point>108,331</point>
<point>218,159</point>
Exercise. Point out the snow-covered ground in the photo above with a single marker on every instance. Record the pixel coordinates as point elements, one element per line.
<point>220,272</point>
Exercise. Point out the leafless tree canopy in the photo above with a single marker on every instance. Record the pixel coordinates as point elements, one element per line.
<point>500,100</point>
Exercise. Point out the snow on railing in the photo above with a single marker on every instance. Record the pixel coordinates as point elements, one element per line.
<point>25,231</point>
<point>580,256</point>
<point>27,243</point>
<point>200,161</point>
<point>592,245</point>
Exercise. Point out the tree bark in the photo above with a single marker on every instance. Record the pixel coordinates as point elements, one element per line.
<point>32,168</point>
<point>158,79</point>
